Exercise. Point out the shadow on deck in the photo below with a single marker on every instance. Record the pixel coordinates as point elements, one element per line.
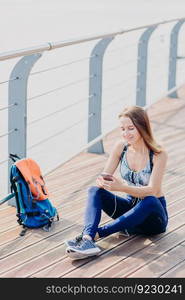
<point>41,254</point>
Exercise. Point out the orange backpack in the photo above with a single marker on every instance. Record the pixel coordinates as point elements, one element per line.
<point>31,172</point>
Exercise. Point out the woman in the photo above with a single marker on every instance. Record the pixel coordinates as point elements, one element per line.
<point>142,165</point>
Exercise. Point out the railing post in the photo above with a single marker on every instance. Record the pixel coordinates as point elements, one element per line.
<point>142,66</point>
<point>173,58</point>
<point>95,94</point>
<point>17,115</point>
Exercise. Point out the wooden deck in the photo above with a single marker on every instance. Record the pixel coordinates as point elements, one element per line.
<point>42,254</point>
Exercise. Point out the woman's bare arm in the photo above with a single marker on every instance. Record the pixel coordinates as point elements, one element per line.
<point>114,158</point>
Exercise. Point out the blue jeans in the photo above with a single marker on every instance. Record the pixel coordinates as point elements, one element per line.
<point>147,217</point>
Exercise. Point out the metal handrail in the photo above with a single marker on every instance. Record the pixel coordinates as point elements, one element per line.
<point>54,45</point>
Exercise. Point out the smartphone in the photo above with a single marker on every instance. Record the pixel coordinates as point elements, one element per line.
<point>107,177</point>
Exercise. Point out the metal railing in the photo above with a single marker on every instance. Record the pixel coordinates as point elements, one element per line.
<point>18,84</point>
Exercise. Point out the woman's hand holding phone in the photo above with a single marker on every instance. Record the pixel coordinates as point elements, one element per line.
<point>103,180</point>
<point>109,182</point>
<point>107,177</point>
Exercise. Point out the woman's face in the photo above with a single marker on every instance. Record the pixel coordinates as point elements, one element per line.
<point>129,131</point>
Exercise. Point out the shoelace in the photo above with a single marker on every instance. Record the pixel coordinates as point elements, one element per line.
<point>83,241</point>
<point>79,239</point>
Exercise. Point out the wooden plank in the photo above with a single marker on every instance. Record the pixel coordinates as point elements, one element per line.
<point>175,272</point>
<point>128,267</point>
<point>159,266</point>
<point>36,244</point>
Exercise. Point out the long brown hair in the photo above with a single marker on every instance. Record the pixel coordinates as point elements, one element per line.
<point>141,121</point>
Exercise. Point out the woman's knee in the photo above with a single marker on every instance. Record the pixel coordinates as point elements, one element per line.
<point>94,195</point>
<point>94,190</point>
<point>151,201</point>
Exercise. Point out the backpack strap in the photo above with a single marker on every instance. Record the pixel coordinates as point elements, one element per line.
<point>13,189</point>
<point>23,231</point>
<point>7,198</point>
<point>14,157</point>
<point>47,227</point>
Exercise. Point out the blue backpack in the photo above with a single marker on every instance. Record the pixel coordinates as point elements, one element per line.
<point>34,209</point>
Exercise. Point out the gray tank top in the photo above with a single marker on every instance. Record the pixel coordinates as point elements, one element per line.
<point>134,178</point>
